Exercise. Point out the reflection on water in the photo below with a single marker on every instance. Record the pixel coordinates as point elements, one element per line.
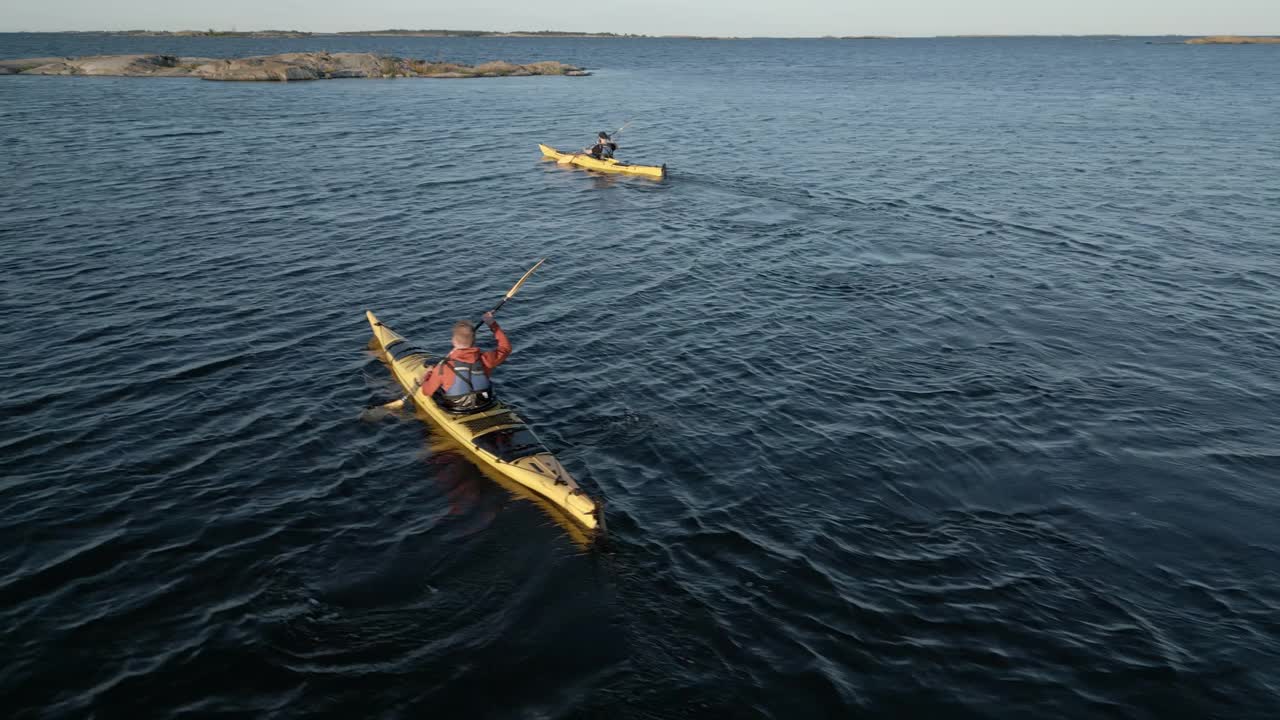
<point>463,481</point>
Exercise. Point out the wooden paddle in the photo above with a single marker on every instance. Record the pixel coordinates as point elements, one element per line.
<point>397,404</point>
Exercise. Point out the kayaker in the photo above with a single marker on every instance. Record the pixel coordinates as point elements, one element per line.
<point>460,383</point>
<point>604,147</point>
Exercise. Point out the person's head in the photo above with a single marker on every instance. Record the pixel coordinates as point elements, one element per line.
<point>464,334</point>
<point>604,136</point>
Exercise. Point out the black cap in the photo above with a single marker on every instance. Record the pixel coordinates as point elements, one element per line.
<point>604,135</point>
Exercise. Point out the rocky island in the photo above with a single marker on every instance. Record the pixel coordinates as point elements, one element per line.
<point>282,68</point>
<point>1233,40</point>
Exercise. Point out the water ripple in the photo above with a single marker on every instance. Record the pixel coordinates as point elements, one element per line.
<point>938,380</point>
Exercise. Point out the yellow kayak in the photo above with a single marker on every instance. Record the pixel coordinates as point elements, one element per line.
<point>496,438</point>
<point>609,165</point>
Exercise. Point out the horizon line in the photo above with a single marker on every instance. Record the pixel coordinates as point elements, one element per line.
<point>535,34</point>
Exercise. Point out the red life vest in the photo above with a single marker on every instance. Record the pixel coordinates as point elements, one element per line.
<point>471,389</point>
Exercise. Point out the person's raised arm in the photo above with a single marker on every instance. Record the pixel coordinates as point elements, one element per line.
<point>494,358</point>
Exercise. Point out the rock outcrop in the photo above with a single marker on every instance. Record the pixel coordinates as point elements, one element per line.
<point>13,67</point>
<point>282,68</point>
<point>1234,40</point>
<point>251,69</point>
<point>130,65</point>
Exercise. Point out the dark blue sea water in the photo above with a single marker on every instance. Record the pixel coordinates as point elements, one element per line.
<point>940,379</point>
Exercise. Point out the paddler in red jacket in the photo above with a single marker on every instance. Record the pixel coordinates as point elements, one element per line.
<point>460,383</point>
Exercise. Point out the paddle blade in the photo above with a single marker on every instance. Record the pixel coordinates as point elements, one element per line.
<point>379,412</point>
<point>516,288</point>
<point>511,293</point>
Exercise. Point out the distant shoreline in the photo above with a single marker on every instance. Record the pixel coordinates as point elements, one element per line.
<point>1234,40</point>
<point>560,34</point>
<point>349,33</point>
<point>365,33</point>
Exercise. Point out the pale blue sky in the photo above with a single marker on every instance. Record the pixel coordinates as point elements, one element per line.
<point>695,17</point>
